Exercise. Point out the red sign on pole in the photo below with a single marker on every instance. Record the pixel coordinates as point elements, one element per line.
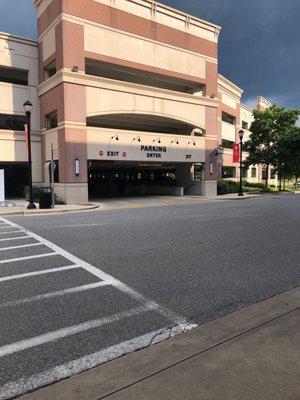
<point>236,153</point>
<point>26,137</point>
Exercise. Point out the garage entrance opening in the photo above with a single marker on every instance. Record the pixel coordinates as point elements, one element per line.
<point>15,179</point>
<point>109,179</point>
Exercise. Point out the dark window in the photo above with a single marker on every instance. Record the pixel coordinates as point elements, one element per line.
<point>227,144</point>
<point>50,70</point>
<point>12,122</point>
<point>273,173</point>
<point>253,172</point>
<point>245,173</point>
<point>14,75</point>
<point>228,172</point>
<point>264,173</point>
<point>51,120</point>
<point>228,118</point>
<point>245,125</point>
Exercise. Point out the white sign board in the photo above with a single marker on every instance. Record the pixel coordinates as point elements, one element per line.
<point>125,146</point>
<point>2,193</point>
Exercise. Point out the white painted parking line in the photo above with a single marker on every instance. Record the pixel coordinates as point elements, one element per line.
<point>105,277</point>
<point>59,293</point>
<point>70,330</point>
<point>21,246</point>
<point>41,272</point>
<point>5,233</point>
<point>179,323</point>
<point>15,238</point>
<point>77,226</point>
<point>59,372</point>
<point>11,260</point>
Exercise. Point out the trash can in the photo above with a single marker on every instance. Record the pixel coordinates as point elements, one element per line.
<point>45,199</point>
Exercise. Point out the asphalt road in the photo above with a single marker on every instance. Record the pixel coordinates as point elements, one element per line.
<point>92,286</point>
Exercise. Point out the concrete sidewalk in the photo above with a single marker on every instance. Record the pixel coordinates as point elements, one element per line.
<point>20,207</point>
<point>252,354</point>
<point>59,209</point>
<point>125,203</point>
<point>160,201</point>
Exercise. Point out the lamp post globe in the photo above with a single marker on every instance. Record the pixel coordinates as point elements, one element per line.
<point>28,110</point>
<point>27,107</point>
<point>241,136</point>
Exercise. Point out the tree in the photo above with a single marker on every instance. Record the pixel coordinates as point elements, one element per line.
<point>289,157</point>
<point>271,136</point>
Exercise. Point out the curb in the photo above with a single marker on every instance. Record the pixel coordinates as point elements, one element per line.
<point>244,198</point>
<point>48,212</point>
<point>257,196</point>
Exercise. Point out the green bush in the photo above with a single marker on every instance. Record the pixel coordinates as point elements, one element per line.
<point>250,189</point>
<point>37,190</point>
<point>226,187</point>
<point>222,188</point>
<point>255,185</point>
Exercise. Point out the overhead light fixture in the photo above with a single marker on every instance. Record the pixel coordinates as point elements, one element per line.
<point>198,132</point>
<point>157,140</point>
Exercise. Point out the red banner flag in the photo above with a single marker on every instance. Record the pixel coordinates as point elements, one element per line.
<point>236,153</point>
<point>26,137</point>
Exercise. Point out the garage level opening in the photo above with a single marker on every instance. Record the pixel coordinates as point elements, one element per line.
<point>110,179</point>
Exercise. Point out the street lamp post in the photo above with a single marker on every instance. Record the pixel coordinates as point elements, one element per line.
<point>241,135</point>
<point>28,109</point>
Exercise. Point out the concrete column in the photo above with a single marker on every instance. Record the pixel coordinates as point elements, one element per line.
<point>72,141</point>
<point>209,184</point>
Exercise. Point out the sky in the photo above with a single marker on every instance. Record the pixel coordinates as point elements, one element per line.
<point>259,42</point>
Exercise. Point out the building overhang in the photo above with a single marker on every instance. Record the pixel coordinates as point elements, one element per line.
<point>264,102</point>
<point>247,108</point>
<point>227,84</point>
<point>18,39</point>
